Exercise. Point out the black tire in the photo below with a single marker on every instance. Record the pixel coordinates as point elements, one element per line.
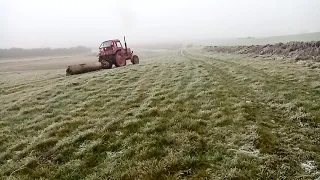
<point>107,64</point>
<point>135,59</point>
<point>68,72</point>
<point>119,59</point>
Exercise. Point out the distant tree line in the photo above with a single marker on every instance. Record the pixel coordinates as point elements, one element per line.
<point>167,46</point>
<point>20,52</point>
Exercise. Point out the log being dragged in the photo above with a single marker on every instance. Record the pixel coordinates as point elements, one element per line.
<point>84,68</point>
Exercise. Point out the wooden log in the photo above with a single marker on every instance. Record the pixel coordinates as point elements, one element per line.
<point>83,68</point>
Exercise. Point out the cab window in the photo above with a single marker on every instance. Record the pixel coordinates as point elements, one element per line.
<point>118,44</point>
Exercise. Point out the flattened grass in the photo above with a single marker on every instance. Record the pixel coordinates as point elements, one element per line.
<point>174,116</point>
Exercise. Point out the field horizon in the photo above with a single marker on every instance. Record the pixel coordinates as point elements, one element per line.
<point>232,41</point>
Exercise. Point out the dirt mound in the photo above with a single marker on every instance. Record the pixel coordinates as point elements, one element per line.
<point>296,50</point>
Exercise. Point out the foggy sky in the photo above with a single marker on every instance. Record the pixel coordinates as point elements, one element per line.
<point>65,23</point>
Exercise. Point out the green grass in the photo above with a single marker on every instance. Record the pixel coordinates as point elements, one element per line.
<point>180,115</point>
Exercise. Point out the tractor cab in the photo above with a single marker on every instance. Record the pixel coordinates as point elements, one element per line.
<point>110,46</point>
<point>106,44</point>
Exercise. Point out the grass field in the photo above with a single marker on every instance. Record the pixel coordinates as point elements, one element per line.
<point>176,115</point>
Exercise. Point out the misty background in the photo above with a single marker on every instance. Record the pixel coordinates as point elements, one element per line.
<point>60,23</point>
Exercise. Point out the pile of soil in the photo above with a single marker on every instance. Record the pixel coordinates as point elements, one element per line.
<point>293,50</point>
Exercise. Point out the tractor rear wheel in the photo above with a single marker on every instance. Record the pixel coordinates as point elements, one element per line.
<point>135,59</point>
<point>119,59</point>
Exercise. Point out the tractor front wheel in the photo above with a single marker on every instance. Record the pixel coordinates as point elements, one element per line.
<point>119,59</point>
<point>135,59</point>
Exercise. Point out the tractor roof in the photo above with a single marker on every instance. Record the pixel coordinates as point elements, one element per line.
<point>112,40</point>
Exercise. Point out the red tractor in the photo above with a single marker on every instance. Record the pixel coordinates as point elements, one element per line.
<point>112,51</point>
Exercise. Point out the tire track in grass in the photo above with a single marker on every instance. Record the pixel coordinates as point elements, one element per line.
<point>226,124</point>
<point>273,81</point>
<point>294,100</point>
<point>298,92</point>
<point>140,86</point>
<point>39,121</point>
<point>113,117</point>
<point>161,123</point>
<point>148,100</point>
<point>128,124</point>
<point>153,110</point>
<point>224,80</point>
<point>53,102</point>
<point>173,117</point>
<point>258,111</point>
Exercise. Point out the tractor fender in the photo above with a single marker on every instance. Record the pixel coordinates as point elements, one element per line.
<point>117,51</point>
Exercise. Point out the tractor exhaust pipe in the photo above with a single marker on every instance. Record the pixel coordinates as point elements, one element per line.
<point>125,43</point>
